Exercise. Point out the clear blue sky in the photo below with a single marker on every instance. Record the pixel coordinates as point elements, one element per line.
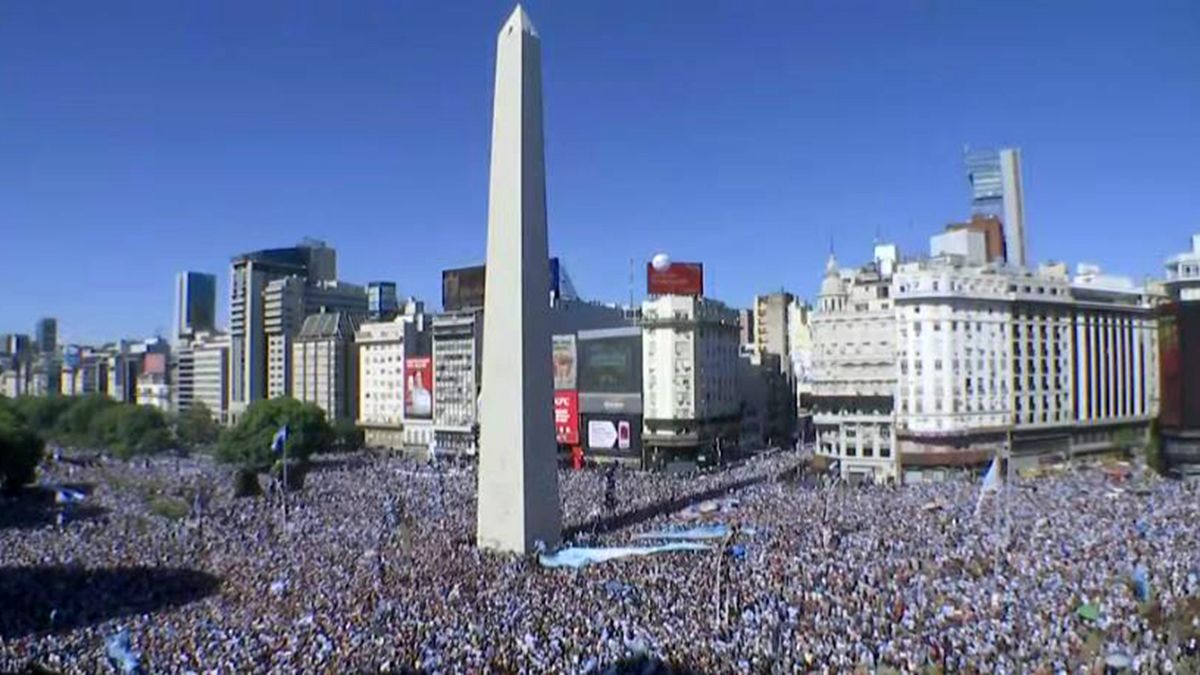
<point>140,139</point>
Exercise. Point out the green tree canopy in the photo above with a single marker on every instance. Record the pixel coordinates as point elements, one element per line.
<point>249,442</point>
<point>129,430</point>
<point>74,426</point>
<point>20,450</point>
<point>347,437</point>
<point>196,427</point>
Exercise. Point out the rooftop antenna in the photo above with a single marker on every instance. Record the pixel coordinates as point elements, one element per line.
<point>631,283</point>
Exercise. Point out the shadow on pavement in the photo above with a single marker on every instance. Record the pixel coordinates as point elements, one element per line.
<point>59,599</point>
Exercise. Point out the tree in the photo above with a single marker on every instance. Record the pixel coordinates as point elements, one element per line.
<point>41,413</point>
<point>248,444</point>
<point>75,425</point>
<point>347,437</point>
<point>129,430</point>
<point>20,451</point>
<point>196,427</point>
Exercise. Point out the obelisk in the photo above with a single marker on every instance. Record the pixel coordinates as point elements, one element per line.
<point>518,476</point>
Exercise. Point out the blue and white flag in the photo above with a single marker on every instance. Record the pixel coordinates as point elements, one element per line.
<point>120,655</point>
<point>991,482</point>
<point>68,496</point>
<point>1141,583</point>
<point>280,439</point>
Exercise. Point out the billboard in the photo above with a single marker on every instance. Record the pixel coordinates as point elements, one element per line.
<point>418,387</point>
<point>610,365</point>
<point>563,354</point>
<point>613,435</point>
<point>679,278</point>
<point>462,288</point>
<point>566,417</point>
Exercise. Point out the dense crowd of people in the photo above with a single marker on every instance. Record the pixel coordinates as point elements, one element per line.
<point>376,570</point>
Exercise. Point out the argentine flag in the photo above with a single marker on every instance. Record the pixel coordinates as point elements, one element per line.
<point>991,482</point>
<point>280,439</point>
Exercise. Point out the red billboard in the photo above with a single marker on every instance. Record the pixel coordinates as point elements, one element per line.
<point>418,387</point>
<point>566,416</point>
<point>678,278</point>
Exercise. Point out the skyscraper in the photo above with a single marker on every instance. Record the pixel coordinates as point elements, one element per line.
<point>195,303</point>
<point>996,190</point>
<point>250,273</point>
<point>518,480</point>
<point>382,303</point>
<point>47,335</point>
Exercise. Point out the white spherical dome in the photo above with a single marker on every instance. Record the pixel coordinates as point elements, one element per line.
<point>660,261</point>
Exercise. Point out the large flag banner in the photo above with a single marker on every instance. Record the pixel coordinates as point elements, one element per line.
<point>280,439</point>
<point>991,482</point>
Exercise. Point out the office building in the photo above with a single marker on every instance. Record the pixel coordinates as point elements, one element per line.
<point>1179,329</point>
<point>324,364</point>
<point>384,348</point>
<point>993,234</point>
<point>195,304</point>
<point>153,387</point>
<point>952,360</point>
<point>286,304</point>
<point>602,370</point>
<point>772,333</point>
<point>746,327</point>
<point>250,273</point>
<point>457,362</point>
<point>854,368</point>
<point>209,353</point>
<point>47,335</point>
<point>93,371</point>
<point>690,389</point>
<point>382,301</point>
<point>996,190</point>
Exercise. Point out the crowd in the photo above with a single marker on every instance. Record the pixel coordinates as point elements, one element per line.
<point>376,570</point>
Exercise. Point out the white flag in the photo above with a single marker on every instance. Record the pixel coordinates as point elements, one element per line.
<point>991,482</point>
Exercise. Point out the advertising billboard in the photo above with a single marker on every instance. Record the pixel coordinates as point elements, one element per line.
<point>566,417</point>
<point>679,278</point>
<point>463,287</point>
<point>563,354</point>
<point>418,387</point>
<point>613,435</point>
<point>611,364</point>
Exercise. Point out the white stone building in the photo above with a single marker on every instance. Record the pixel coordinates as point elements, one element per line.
<point>382,349</point>
<point>690,365</point>
<point>954,359</point>
<point>854,368</point>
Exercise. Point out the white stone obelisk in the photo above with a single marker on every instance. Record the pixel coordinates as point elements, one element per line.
<point>518,475</point>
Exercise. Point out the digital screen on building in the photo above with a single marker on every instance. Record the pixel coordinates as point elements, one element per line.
<point>418,387</point>
<point>563,354</point>
<point>462,288</point>
<point>611,365</point>
<point>612,435</point>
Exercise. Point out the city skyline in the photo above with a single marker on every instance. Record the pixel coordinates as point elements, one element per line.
<point>342,127</point>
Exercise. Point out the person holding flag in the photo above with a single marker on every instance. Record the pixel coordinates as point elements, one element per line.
<point>279,446</point>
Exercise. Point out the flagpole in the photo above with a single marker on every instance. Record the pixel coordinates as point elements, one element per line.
<point>283,494</point>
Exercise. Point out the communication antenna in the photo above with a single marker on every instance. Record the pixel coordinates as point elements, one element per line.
<point>631,284</point>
